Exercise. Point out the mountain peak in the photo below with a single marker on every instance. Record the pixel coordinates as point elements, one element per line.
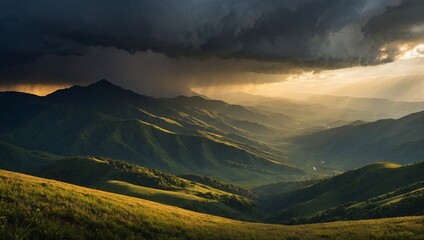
<point>103,82</point>
<point>99,91</point>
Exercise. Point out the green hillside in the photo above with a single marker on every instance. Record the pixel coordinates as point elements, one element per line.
<point>90,171</point>
<point>105,120</point>
<point>132,180</point>
<point>406,201</point>
<point>181,114</point>
<point>183,200</point>
<point>151,146</point>
<point>353,186</point>
<point>34,208</point>
<point>283,187</point>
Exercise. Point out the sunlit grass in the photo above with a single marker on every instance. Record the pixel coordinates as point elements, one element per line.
<point>34,208</point>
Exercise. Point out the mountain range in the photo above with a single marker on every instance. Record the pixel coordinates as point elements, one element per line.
<point>181,136</point>
<point>194,135</point>
<point>318,112</point>
<point>184,155</point>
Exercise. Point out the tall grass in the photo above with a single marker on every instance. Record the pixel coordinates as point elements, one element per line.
<point>35,208</point>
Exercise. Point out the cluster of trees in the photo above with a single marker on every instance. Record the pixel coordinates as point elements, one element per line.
<point>147,177</point>
<point>212,182</point>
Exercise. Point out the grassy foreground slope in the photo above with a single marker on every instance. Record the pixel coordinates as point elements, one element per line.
<point>35,208</point>
<point>141,182</point>
<point>177,199</point>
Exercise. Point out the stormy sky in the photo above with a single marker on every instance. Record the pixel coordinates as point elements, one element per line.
<point>166,47</point>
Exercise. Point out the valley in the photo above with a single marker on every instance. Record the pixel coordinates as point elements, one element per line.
<point>209,157</point>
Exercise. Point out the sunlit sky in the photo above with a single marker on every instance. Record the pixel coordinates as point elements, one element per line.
<point>401,80</point>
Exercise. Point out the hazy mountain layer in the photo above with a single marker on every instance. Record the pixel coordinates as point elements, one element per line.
<point>397,140</point>
<point>321,111</point>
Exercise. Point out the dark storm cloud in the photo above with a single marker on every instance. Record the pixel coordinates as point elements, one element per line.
<point>269,36</point>
<point>306,32</point>
<point>403,23</point>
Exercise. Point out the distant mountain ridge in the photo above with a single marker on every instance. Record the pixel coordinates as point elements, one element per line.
<point>396,140</point>
<point>327,109</point>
